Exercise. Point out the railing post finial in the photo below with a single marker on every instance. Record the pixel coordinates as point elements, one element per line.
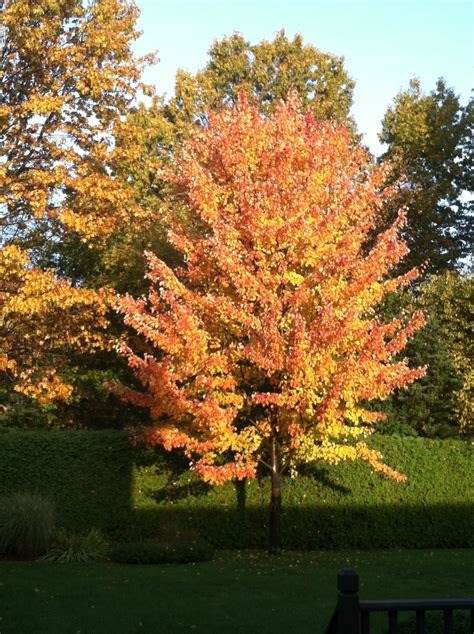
<point>348,612</point>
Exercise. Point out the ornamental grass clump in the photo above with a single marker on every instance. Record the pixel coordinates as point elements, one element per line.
<point>26,524</point>
<point>77,547</point>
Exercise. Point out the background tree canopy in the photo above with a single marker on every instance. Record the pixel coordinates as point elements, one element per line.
<point>82,196</point>
<point>429,138</point>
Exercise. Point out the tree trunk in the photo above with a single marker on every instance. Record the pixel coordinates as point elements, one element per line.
<point>275,503</point>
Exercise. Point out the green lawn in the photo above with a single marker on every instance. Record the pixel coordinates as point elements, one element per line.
<point>242,592</point>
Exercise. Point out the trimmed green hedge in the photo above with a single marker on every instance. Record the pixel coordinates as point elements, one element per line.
<point>88,474</point>
<point>98,480</point>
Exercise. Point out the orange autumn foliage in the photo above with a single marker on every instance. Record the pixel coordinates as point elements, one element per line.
<point>268,334</point>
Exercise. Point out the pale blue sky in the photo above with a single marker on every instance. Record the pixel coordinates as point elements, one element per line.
<point>384,42</point>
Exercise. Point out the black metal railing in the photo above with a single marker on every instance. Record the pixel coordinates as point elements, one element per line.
<point>352,616</point>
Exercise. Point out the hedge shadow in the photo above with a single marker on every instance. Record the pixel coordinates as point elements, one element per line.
<point>98,479</point>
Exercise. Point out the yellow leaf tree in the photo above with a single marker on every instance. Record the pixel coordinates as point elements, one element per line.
<point>40,316</point>
<point>68,79</point>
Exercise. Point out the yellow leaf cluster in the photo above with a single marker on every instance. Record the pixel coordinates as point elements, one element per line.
<point>43,318</point>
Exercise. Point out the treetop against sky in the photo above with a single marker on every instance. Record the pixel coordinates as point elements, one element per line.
<point>384,43</point>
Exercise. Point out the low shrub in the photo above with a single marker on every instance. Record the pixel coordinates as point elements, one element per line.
<point>77,547</point>
<point>26,524</point>
<point>153,552</point>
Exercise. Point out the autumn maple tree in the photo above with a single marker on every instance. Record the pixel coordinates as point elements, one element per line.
<point>262,348</point>
<point>68,78</point>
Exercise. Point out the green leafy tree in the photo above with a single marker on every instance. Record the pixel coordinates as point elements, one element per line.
<point>450,300</point>
<point>442,402</point>
<point>266,72</point>
<point>428,138</point>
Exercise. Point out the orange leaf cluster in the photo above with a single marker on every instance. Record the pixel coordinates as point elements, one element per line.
<point>269,330</point>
